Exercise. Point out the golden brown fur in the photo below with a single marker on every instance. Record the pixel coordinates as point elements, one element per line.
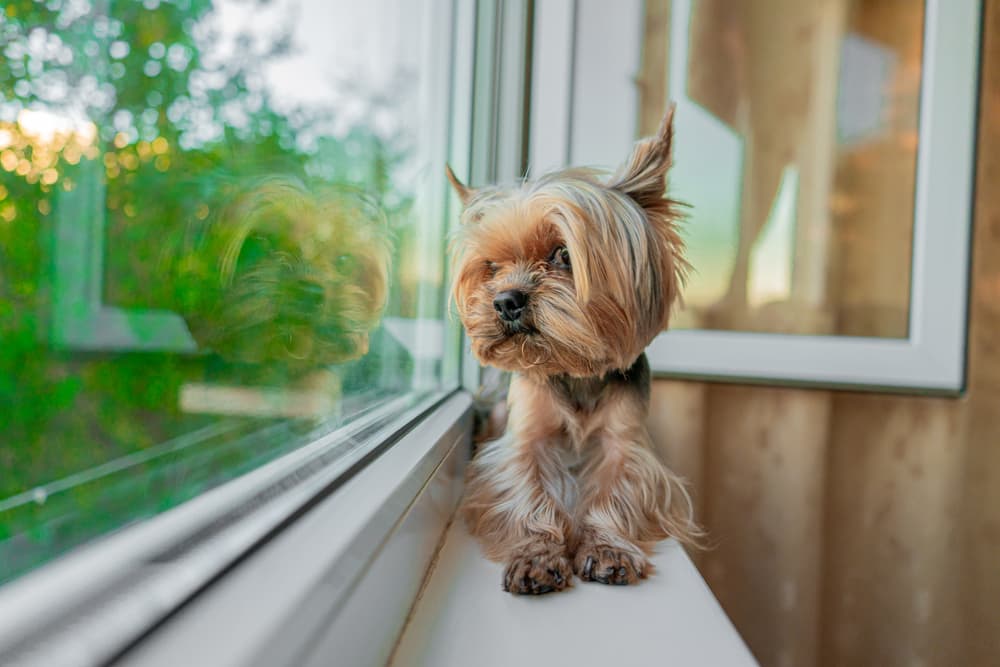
<point>573,484</point>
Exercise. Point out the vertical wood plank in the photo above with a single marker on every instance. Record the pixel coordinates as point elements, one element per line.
<point>766,457</point>
<point>676,424</point>
<point>979,573</point>
<point>891,531</point>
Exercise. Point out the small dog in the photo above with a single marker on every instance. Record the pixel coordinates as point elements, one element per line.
<point>564,281</point>
<point>286,274</point>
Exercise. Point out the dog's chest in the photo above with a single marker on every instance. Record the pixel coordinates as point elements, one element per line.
<point>584,402</point>
<point>579,397</point>
<point>581,404</point>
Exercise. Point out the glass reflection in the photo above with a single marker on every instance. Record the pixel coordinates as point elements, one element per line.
<point>204,211</point>
<point>796,146</point>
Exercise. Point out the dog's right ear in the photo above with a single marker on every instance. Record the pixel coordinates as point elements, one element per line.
<point>643,176</point>
<point>464,193</point>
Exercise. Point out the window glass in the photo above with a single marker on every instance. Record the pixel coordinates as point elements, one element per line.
<point>221,235</point>
<point>796,145</point>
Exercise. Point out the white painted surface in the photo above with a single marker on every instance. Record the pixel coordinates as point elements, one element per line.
<point>463,618</point>
<point>551,86</point>
<point>605,98</point>
<point>378,606</point>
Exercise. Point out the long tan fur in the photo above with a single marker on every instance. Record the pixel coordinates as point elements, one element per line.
<point>573,485</point>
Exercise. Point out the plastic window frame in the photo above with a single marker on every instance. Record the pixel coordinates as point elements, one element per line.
<point>578,117</point>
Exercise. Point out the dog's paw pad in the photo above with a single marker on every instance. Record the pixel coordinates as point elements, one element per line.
<point>539,573</point>
<point>610,565</point>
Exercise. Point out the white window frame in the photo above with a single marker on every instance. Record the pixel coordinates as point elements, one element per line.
<point>584,110</point>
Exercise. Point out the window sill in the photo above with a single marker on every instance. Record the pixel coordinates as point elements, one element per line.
<point>260,588</point>
<point>348,568</point>
<point>462,618</point>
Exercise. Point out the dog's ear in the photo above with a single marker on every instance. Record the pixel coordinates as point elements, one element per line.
<point>643,176</point>
<point>464,193</point>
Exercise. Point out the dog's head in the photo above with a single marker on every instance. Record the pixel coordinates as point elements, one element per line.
<point>287,273</point>
<point>570,274</point>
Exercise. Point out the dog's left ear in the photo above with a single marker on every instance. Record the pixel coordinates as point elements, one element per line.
<point>643,176</point>
<point>464,193</point>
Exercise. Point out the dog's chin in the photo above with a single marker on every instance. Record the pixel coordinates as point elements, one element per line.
<point>509,349</point>
<point>293,345</point>
<point>310,349</point>
<point>529,351</point>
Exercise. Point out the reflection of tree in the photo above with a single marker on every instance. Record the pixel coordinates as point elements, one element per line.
<point>136,91</point>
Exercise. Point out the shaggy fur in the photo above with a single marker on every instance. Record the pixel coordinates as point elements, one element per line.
<point>573,485</point>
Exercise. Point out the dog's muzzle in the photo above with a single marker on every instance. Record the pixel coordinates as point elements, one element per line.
<point>510,305</point>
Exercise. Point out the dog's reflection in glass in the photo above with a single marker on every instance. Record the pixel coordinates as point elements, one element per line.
<point>285,280</point>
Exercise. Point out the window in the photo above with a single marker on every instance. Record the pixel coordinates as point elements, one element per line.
<point>222,233</point>
<point>830,218</point>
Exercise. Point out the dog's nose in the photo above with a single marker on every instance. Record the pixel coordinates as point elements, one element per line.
<point>307,294</point>
<point>510,304</point>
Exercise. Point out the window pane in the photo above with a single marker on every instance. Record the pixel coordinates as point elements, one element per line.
<point>219,239</point>
<point>796,145</point>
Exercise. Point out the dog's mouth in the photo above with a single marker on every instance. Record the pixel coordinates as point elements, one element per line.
<point>290,340</point>
<point>518,328</point>
<point>296,346</point>
<point>514,347</point>
<point>310,348</point>
<point>503,334</point>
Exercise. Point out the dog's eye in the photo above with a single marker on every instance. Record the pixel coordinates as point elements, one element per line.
<point>254,249</point>
<point>560,258</point>
<point>491,268</point>
<point>345,264</point>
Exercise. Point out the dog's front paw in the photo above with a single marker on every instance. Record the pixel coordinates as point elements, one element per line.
<point>610,565</point>
<point>538,570</point>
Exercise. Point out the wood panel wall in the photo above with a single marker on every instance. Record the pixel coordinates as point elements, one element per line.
<point>856,528</point>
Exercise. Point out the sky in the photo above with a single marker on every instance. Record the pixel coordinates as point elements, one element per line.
<point>333,41</point>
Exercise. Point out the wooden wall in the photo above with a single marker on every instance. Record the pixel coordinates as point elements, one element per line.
<point>858,528</point>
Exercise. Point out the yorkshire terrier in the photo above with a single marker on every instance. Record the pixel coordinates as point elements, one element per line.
<point>564,281</point>
<point>285,280</point>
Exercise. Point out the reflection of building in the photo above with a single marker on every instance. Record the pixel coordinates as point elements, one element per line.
<point>424,340</point>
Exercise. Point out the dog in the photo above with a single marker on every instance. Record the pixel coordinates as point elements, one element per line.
<point>285,280</point>
<point>564,281</point>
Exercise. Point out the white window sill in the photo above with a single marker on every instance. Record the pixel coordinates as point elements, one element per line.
<point>463,618</point>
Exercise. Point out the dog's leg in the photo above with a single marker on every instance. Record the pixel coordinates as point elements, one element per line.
<point>518,490</point>
<point>629,500</point>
